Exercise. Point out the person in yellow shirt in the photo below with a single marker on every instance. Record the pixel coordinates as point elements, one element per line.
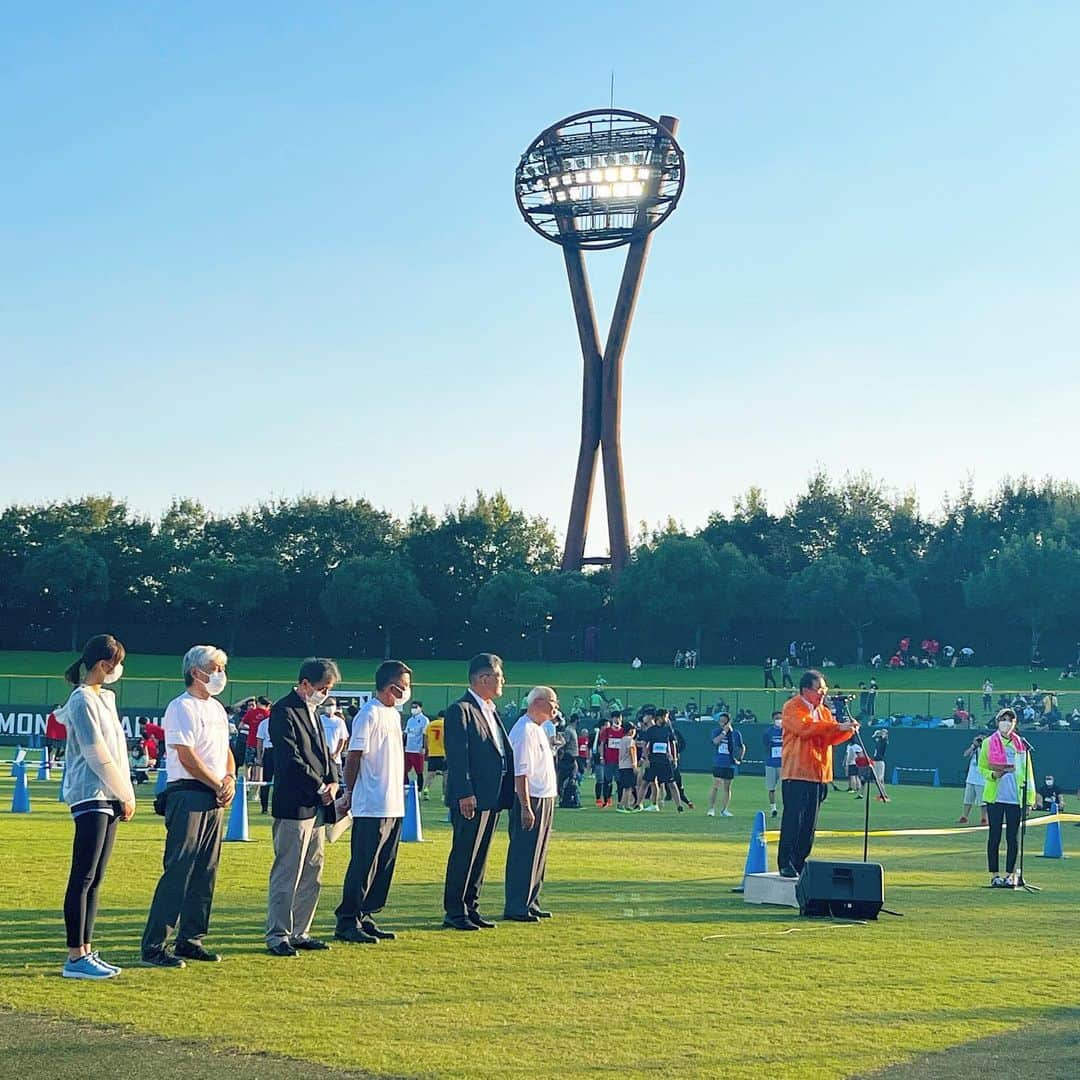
<point>806,768</point>
<point>435,748</point>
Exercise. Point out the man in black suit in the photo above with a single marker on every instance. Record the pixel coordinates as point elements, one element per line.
<point>304,789</point>
<point>479,783</point>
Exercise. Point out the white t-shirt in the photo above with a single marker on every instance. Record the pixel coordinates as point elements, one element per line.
<point>379,790</point>
<point>532,757</point>
<point>335,730</point>
<point>263,733</point>
<point>491,715</point>
<point>201,724</point>
<point>974,776</point>
<point>415,727</point>
<point>1008,790</point>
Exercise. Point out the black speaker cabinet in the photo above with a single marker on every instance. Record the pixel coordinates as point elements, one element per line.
<point>845,890</point>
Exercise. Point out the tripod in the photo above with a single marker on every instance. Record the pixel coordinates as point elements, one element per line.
<point>866,807</point>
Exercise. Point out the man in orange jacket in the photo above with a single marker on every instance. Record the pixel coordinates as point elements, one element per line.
<point>806,768</point>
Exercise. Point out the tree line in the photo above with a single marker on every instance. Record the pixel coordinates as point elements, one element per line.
<point>847,564</point>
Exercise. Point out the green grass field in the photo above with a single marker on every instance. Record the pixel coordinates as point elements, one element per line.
<point>651,966</point>
<point>30,677</point>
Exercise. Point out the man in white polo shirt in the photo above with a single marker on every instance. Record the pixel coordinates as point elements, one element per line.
<point>533,810</point>
<point>202,781</point>
<point>375,776</point>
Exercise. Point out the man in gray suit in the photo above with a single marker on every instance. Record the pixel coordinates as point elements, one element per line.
<point>479,783</point>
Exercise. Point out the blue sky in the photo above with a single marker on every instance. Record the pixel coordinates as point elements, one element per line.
<point>254,250</point>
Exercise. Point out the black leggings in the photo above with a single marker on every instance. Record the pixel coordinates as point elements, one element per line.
<point>94,836</point>
<point>1010,814</point>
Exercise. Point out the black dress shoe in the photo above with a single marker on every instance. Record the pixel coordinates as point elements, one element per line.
<point>789,872</point>
<point>527,917</point>
<point>355,936</point>
<point>459,923</point>
<point>308,944</point>
<point>194,951</point>
<point>162,958</point>
<point>369,927</point>
<point>539,913</point>
<point>479,921</point>
<point>281,948</point>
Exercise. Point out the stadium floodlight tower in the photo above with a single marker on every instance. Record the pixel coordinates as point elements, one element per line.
<point>596,180</point>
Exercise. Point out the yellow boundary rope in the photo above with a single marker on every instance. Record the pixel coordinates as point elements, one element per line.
<point>774,834</point>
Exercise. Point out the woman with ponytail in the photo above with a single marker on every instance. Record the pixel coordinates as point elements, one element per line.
<point>97,788</point>
<point>1005,761</point>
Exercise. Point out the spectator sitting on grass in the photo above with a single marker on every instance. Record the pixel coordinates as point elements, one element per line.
<point>1048,792</point>
<point>140,762</point>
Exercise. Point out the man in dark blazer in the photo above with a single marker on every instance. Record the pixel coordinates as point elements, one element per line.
<point>304,791</point>
<point>479,783</point>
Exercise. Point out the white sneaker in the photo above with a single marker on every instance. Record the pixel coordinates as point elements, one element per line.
<point>726,813</point>
<point>712,812</point>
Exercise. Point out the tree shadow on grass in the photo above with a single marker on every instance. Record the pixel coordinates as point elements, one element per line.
<point>72,1050</point>
<point>1045,1049</point>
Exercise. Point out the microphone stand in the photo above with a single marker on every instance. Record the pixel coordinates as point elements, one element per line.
<point>1023,827</point>
<point>857,735</point>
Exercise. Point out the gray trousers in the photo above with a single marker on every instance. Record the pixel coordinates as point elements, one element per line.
<point>526,858</point>
<point>185,891</point>
<point>295,879</point>
<point>374,848</point>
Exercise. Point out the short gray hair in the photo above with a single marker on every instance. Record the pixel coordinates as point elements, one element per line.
<point>199,656</point>
<point>538,692</point>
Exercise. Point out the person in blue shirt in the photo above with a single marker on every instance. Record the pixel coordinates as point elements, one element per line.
<point>773,741</point>
<point>727,753</point>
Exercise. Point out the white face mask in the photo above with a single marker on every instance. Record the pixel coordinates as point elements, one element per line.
<point>403,700</point>
<point>416,710</point>
<point>114,675</point>
<point>317,697</point>
<point>1004,727</point>
<point>215,683</point>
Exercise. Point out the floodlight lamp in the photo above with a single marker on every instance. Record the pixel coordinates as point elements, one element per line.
<point>609,156</point>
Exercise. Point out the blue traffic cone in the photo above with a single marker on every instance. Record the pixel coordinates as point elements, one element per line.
<point>756,860</point>
<point>162,779</point>
<point>20,800</point>
<point>43,772</point>
<point>1052,848</point>
<point>412,831</point>
<point>237,829</point>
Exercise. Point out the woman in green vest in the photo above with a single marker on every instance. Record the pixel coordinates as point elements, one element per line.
<point>1005,761</point>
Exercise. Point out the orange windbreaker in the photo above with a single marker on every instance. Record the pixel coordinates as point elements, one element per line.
<point>808,742</point>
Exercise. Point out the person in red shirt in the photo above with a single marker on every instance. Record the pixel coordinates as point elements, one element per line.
<point>583,752</point>
<point>55,737</point>
<point>608,743</point>
<point>152,730</point>
<point>153,750</point>
<point>249,729</point>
